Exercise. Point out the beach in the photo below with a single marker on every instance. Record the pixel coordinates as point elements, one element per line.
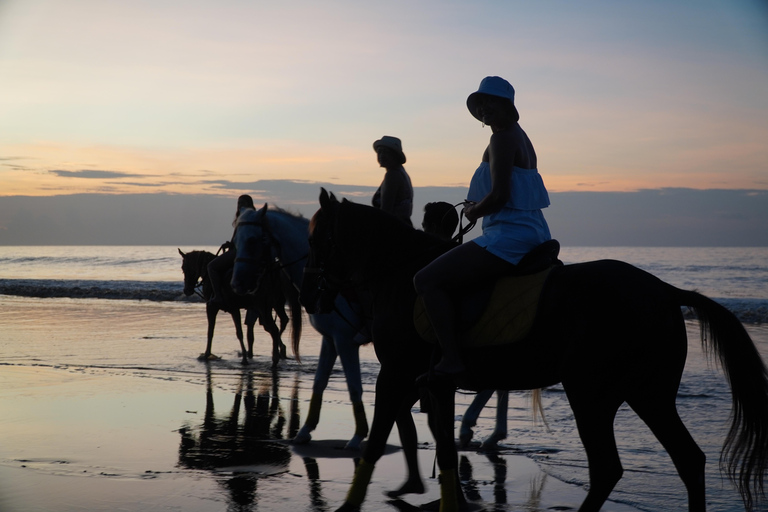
<point>105,407</point>
<point>104,404</point>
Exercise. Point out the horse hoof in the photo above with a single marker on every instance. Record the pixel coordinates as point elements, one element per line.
<point>492,443</point>
<point>354,443</point>
<point>302,437</point>
<point>346,507</point>
<point>208,357</point>
<point>465,437</point>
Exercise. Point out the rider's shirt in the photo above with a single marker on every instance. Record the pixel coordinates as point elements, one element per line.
<point>520,225</point>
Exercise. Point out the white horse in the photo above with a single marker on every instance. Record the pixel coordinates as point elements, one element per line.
<point>273,240</point>
<point>277,242</point>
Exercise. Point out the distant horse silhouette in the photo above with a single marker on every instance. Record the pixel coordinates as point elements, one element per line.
<point>273,241</point>
<point>609,332</point>
<point>272,296</point>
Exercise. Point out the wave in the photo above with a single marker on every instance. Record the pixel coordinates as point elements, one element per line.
<point>748,311</point>
<point>95,289</point>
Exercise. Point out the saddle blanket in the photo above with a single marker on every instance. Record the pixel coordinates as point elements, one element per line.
<point>506,318</point>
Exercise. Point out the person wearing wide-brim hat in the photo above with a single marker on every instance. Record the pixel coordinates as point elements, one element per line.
<point>395,194</point>
<point>509,194</point>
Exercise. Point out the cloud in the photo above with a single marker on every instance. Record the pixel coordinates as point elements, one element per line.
<point>93,174</point>
<point>650,217</point>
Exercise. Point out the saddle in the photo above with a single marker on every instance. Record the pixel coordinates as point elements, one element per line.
<point>502,311</point>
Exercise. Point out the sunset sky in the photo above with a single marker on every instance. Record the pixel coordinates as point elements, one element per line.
<point>132,96</point>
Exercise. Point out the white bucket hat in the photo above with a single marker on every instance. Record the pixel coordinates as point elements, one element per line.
<point>392,143</point>
<point>492,86</point>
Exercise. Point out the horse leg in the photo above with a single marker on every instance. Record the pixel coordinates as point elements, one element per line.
<point>269,325</point>
<point>469,419</point>
<point>283,316</point>
<point>349,354</point>
<point>390,393</point>
<point>251,316</point>
<point>239,331</point>
<point>500,431</point>
<point>324,367</point>
<point>594,413</point>
<point>441,423</point>
<point>211,311</point>
<point>660,414</point>
<point>409,441</point>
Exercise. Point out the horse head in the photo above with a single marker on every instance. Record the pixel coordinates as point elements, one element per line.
<point>325,271</point>
<point>253,242</point>
<point>194,266</point>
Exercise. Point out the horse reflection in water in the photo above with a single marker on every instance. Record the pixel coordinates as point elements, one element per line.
<point>242,446</point>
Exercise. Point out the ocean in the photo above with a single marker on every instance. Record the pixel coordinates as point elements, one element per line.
<point>148,281</point>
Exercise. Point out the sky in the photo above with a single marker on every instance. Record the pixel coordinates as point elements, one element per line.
<point>189,97</point>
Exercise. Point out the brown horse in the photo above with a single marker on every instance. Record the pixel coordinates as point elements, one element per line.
<point>271,295</point>
<point>579,338</point>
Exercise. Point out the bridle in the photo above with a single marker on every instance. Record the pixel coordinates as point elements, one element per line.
<point>201,271</point>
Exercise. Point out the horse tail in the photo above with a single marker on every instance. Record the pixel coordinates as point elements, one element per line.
<point>745,451</point>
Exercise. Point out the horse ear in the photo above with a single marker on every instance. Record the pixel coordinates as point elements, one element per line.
<point>182,254</point>
<point>263,211</point>
<point>325,201</point>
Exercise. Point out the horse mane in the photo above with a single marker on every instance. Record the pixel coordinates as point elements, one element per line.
<point>390,241</point>
<point>270,209</point>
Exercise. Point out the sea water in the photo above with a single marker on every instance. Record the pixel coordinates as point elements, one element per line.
<point>151,278</point>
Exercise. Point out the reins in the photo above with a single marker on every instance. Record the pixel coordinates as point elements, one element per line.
<point>463,230</point>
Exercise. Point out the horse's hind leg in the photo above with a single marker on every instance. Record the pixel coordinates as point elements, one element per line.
<point>662,418</point>
<point>269,325</point>
<point>594,413</point>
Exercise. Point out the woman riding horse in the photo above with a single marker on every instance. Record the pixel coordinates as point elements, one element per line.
<point>509,194</point>
<point>578,338</point>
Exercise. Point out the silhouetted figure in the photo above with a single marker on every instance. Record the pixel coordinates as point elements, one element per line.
<point>219,266</point>
<point>395,194</point>
<point>508,192</point>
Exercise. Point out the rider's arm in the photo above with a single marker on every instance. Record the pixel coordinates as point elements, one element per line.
<point>501,156</point>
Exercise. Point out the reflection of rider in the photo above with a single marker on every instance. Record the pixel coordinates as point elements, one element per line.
<point>509,193</point>
<point>395,195</point>
<point>219,265</point>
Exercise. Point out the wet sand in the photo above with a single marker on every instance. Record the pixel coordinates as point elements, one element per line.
<point>103,406</point>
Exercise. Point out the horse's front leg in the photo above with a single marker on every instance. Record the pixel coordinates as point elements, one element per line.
<point>391,387</point>
<point>211,311</point>
<point>441,422</point>
<point>251,317</point>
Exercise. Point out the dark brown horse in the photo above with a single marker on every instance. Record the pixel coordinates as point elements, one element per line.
<point>272,295</point>
<point>579,338</point>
